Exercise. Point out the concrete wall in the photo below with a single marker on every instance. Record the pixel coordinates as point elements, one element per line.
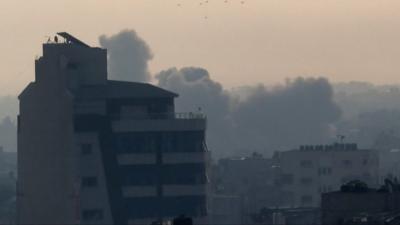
<point>45,156</point>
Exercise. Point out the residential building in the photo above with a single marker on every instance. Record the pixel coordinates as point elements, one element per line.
<point>307,172</point>
<point>251,179</point>
<point>98,151</point>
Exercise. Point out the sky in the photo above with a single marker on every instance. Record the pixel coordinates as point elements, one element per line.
<point>259,41</point>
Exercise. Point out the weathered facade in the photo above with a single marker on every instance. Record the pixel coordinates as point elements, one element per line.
<point>96,151</point>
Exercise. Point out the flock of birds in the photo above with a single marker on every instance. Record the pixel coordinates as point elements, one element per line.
<point>205,2</point>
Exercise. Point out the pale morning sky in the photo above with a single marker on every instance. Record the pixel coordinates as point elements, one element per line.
<point>260,41</point>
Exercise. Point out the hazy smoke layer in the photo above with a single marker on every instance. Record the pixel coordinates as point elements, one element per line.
<point>8,134</point>
<point>128,56</point>
<point>8,127</point>
<point>198,92</point>
<point>8,107</point>
<point>300,112</point>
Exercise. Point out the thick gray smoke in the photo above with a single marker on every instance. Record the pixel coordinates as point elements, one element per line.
<point>128,56</point>
<point>198,92</point>
<point>300,112</point>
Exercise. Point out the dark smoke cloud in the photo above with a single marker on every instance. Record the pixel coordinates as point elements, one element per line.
<point>128,56</point>
<point>198,92</point>
<point>255,118</point>
<point>300,112</point>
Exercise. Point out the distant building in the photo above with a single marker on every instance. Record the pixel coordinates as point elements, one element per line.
<point>225,209</point>
<point>307,172</point>
<point>97,151</point>
<point>251,179</point>
<point>369,207</point>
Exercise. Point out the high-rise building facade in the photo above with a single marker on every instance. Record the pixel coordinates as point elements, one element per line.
<point>97,151</point>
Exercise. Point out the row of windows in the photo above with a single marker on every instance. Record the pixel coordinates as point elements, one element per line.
<point>140,142</point>
<point>152,179</point>
<point>325,171</point>
<point>166,174</point>
<point>288,179</point>
<point>346,163</point>
<point>182,141</point>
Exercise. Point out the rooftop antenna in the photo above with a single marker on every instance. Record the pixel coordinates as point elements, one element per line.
<point>48,39</point>
<point>341,138</point>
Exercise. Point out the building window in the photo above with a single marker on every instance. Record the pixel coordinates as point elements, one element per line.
<point>324,171</point>
<point>306,180</point>
<point>306,199</point>
<point>86,149</point>
<point>287,178</point>
<point>89,181</point>
<point>92,215</point>
<point>306,163</point>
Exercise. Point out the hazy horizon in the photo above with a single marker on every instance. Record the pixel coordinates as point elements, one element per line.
<point>239,44</point>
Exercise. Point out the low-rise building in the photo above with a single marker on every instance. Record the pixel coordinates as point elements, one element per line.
<point>251,179</point>
<point>307,172</point>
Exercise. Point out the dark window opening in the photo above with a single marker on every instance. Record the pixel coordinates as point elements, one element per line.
<point>89,181</point>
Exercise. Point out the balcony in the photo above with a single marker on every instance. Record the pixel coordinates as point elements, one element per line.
<point>140,122</point>
<point>159,116</point>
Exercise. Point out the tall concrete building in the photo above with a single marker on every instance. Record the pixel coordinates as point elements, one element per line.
<point>97,151</point>
<point>309,171</point>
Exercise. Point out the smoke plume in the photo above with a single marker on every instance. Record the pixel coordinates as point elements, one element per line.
<point>198,92</point>
<point>300,112</point>
<point>128,56</point>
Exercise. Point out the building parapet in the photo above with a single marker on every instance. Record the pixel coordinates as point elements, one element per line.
<point>159,124</point>
<point>161,116</point>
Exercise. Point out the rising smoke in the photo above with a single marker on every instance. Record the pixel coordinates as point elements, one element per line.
<point>301,111</point>
<point>128,56</point>
<point>198,92</point>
